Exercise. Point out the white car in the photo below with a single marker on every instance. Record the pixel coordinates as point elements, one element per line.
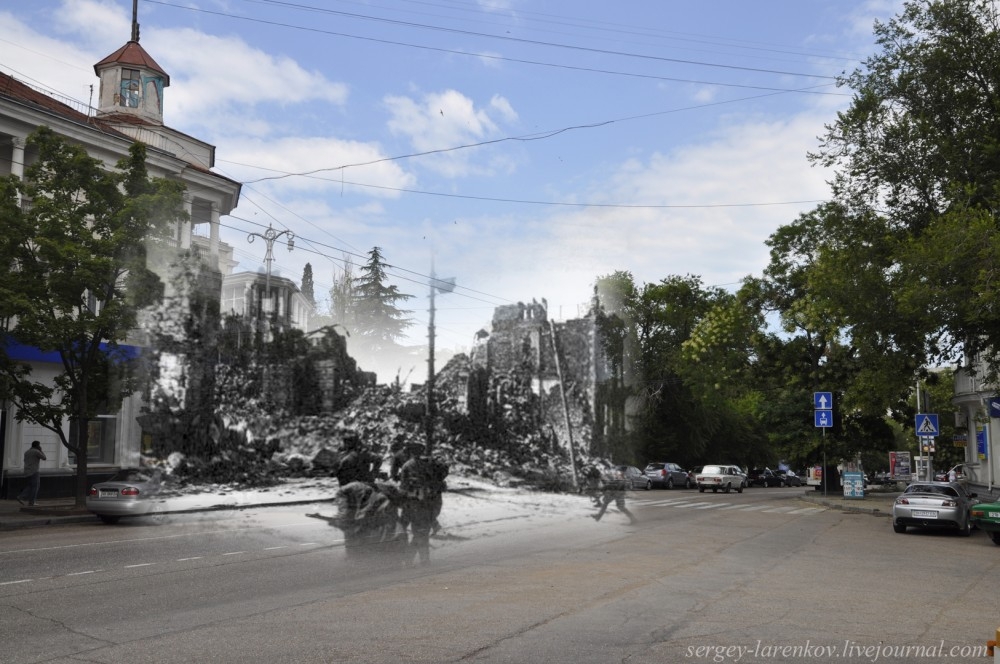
<point>726,478</point>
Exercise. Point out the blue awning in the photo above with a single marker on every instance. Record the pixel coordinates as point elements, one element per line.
<point>24,353</point>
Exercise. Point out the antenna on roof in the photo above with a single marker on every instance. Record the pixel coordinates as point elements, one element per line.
<point>135,21</point>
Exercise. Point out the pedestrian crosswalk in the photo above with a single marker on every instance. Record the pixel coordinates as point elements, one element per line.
<point>764,508</point>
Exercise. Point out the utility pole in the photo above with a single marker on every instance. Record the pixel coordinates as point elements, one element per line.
<point>444,286</point>
<point>270,236</point>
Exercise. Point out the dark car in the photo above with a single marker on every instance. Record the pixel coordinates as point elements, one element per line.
<point>634,478</point>
<point>790,478</point>
<point>668,475</point>
<point>765,477</point>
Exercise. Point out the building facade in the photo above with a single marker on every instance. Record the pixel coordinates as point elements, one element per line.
<point>130,109</point>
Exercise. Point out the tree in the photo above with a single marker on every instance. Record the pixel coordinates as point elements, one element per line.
<point>73,277</point>
<point>342,297</point>
<point>379,323</point>
<point>307,284</point>
<point>921,144</point>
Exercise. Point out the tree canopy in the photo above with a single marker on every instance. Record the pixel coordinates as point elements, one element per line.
<point>73,277</point>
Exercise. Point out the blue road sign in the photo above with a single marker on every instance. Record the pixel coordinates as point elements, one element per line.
<point>823,400</point>
<point>824,418</point>
<point>927,424</point>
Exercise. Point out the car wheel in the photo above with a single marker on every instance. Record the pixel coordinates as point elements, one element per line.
<point>728,488</point>
<point>689,484</point>
<point>740,489</point>
<point>781,485</point>
<point>701,489</point>
<point>649,485</point>
<point>995,536</point>
<point>899,528</point>
<point>108,518</point>
<point>715,489</point>
<point>967,530</point>
<point>670,483</point>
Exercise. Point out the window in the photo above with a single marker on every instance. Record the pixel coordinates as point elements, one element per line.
<point>131,84</point>
<point>100,441</point>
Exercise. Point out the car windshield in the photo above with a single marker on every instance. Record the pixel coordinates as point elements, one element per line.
<point>131,475</point>
<point>931,488</point>
<point>654,466</point>
<point>712,469</point>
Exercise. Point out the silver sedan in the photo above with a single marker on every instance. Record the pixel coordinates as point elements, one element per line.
<point>129,492</point>
<point>933,505</point>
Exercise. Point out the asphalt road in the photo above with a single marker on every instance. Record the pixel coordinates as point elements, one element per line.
<point>752,577</point>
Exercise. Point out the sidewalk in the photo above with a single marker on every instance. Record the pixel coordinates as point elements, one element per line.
<point>195,499</point>
<point>875,503</point>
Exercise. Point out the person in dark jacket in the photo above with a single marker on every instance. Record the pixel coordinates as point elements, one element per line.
<point>421,482</point>
<point>356,464</point>
<point>33,458</point>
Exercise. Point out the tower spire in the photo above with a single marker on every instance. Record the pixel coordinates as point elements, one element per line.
<point>135,21</point>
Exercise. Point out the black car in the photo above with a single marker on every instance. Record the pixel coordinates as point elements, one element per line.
<point>790,478</point>
<point>765,477</point>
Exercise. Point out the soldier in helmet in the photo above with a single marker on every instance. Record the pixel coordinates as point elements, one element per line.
<point>421,482</point>
<point>356,464</point>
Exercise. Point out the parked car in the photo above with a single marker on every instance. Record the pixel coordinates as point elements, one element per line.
<point>789,478</point>
<point>634,478</point>
<point>765,477</point>
<point>668,475</point>
<point>934,505</point>
<point>986,517</point>
<point>961,474</point>
<point>129,492</point>
<point>726,478</point>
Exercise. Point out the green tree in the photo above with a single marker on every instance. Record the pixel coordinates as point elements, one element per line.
<point>342,297</point>
<point>921,143</point>
<point>379,323</point>
<point>307,284</point>
<point>73,277</point>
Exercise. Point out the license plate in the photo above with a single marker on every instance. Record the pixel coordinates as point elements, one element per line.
<point>994,515</point>
<point>924,514</point>
<point>108,494</point>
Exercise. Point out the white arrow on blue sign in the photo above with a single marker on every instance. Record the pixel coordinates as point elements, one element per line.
<point>823,400</point>
<point>824,418</point>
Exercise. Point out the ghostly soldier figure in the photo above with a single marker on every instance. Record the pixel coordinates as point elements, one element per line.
<point>356,463</point>
<point>366,516</point>
<point>613,489</point>
<point>421,481</point>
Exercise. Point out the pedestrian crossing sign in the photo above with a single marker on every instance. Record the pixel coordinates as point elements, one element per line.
<point>927,424</point>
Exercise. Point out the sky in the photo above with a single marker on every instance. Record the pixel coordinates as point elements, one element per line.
<point>523,147</point>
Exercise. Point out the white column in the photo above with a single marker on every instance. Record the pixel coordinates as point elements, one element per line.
<point>184,228</point>
<point>213,234</point>
<point>17,161</point>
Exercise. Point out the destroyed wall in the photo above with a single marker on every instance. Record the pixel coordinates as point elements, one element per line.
<point>520,347</point>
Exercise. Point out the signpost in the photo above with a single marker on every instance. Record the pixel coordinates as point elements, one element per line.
<point>927,428</point>
<point>823,418</point>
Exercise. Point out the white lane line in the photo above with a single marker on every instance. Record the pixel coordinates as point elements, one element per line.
<point>665,502</point>
<point>709,506</point>
<point>807,510</point>
<point>694,505</point>
<point>181,560</point>
<point>10,583</point>
<point>89,571</point>
<point>139,565</point>
<point>753,508</point>
<point>273,548</point>
<point>308,543</point>
<point>234,553</point>
<point>778,510</point>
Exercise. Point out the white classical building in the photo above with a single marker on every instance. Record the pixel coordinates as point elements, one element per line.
<point>979,409</point>
<point>130,108</point>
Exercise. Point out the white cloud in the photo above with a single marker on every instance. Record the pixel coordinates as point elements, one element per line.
<point>444,120</point>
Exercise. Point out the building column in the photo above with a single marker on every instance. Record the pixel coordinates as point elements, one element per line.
<point>184,227</point>
<point>17,161</point>
<point>213,233</point>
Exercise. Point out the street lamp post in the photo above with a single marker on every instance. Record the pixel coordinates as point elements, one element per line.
<point>270,236</point>
<point>442,286</point>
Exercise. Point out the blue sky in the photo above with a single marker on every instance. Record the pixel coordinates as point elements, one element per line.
<point>528,146</point>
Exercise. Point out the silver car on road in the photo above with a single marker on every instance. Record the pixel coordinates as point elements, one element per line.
<point>934,505</point>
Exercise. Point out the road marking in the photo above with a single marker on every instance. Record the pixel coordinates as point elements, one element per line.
<point>779,510</point>
<point>708,506</point>
<point>181,560</point>
<point>89,571</point>
<point>139,565</point>
<point>753,508</point>
<point>273,548</point>
<point>808,510</point>
<point>695,505</point>
<point>308,543</point>
<point>10,583</point>
<point>665,502</point>
<point>234,553</point>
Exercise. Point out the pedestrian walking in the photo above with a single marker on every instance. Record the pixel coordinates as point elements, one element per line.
<point>33,458</point>
<point>613,490</point>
